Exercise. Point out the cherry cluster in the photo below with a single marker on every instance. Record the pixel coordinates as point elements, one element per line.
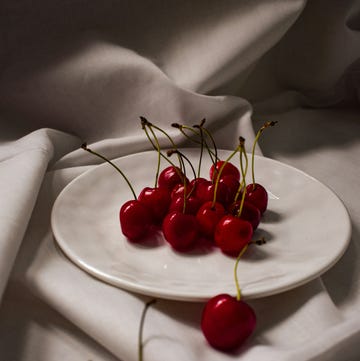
<point>221,209</point>
<point>189,210</point>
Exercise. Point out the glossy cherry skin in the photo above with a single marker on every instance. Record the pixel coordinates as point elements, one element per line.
<point>170,177</point>
<point>232,234</point>
<point>135,220</point>
<point>196,181</point>
<point>229,169</point>
<point>179,189</point>
<point>191,207</point>
<point>257,196</point>
<point>157,200</point>
<point>232,184</point>
<point>205,192</point>
<point>226,322</point>
<point>208,216</point>
<point>180,230</point>
<point>249,212</point>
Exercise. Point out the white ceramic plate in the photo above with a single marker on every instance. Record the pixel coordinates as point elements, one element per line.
<point>306,226</point>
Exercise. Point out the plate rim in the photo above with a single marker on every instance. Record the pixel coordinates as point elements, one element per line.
<point>172,295</point>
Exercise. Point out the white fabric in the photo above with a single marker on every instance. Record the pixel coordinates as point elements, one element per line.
<point>85,71</point>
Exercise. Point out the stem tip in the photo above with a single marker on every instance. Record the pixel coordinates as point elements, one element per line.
<point>144,122</point>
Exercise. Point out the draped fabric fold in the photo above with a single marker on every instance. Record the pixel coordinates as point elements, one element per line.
<point>78,71</point>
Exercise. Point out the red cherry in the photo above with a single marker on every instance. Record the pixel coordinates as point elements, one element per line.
<point>192,204</point>
<point>205,192</point>
<point>229,169</point>
<point>135,220</point>
<point>201,190</point>
<point>208,216</point>
<point>226,322</point>
<point>178,190</point>
<point>232,234</point>
<point>170,177</point>
<point>196,181</point>
<point>232,184</point>
<point>157,200</point>
<point>257,195</point>
<point>249,213</point>
<point>180,230</point>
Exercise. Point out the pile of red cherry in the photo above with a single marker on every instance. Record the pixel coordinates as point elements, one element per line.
<point>185,221</point>
<point>222,209</point>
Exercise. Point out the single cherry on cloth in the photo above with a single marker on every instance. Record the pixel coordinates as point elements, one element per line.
<point>208,215</point>
<point>226,322</point>
<point>170,177</point>
<point>180,230</point>
<point>232,234</point>
<point>228,169</point>
<point>157,200</point>
<point>257,195</point>
<point>135,220</point>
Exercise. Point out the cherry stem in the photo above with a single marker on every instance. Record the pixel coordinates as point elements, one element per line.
<point>212,141</point>
<point>144,123</point>
<point>212,154</point>
<point>201,151</point>
<point>238,290</point>
<point>141,327</point>
<point>182,157</point>
<point>241,185</point>
<point>220,172</point>
<point>85,147</point>
<point>157,147</point>
<point>266,125</point>
<point>200,134</point>
<point>151,125</point>
<point>259,242</point>
<point>160,130</point>
<point>243,174</point>
<point>181,127</point>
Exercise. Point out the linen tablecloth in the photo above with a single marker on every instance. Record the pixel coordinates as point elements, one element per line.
<point>74,71</point>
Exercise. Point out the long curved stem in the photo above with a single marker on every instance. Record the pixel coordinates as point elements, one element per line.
<point>141,327</point>
<point>243,175</point>
<point>157,147</point>
<point>242,184</point>
<point>201,152</point>
<point>213,142</point>
<point>199,133</point>
<point>182,157</point>
<point>220,172</point>
<point>85,147</point>
<point>238,290</point>
<point>266,125</point>
<point>144,121</point>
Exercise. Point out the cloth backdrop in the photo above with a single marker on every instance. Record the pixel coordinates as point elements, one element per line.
<point>74,71</point>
